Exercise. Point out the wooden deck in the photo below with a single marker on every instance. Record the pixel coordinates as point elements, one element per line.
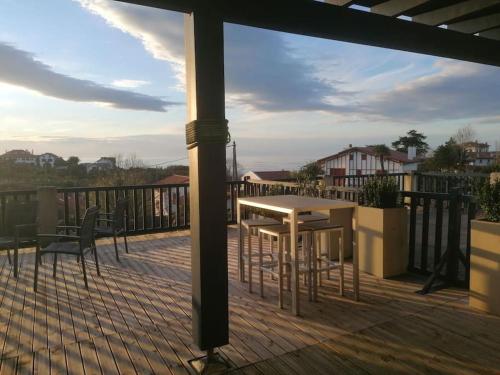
<point>135,319</point>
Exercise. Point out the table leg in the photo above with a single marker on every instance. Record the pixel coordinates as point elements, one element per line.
<point>241,265</point>
<point>355,271</point>
<point>295,263</point>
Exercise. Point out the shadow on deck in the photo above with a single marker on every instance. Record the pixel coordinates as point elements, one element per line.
<point>136,319</point>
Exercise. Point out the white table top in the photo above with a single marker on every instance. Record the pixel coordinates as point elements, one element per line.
<point>293,203</point>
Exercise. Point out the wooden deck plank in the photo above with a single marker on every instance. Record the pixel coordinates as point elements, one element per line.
<point>74,361</point>
<point>136,318</point>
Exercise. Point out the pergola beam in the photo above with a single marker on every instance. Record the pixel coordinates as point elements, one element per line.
<point>444,15</point>
<point>477,24</point>
<point>395,8</point>
<point>317,19</point>
<point>491,34</point>
<point>342,3</point>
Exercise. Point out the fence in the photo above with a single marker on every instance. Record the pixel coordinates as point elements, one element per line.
<point>360,180</point>
<point>152,208</point>
<point>439,234</point>
<point>17,195</point>
<point>444,183</point>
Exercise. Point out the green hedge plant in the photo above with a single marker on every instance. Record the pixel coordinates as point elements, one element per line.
<point>489,200</point>
<point>381,192</point>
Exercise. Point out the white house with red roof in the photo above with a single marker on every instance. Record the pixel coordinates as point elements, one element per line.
<point>268,175</point>
<point>364,160</point>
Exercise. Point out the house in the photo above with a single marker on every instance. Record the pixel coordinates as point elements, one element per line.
<point>20,157</point>
<point>478,154</point>
<point>103,164</point>
<point>364,160</point>
<point>169,198</point>
<point>106,163</point>
<point>48,159</point>
<point>268,175</point>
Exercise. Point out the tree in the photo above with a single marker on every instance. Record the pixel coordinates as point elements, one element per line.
<point>462,137</point>
<point>73,160</point>
<point>445,158</point>
<point>412,139</point>
<point>381,151</point>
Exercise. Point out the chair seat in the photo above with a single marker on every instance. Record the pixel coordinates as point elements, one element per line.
<point>252,223</point>
<point>9,242</point>
<point>282,229</point>
<point>62,248</point>
<point>308,218</point>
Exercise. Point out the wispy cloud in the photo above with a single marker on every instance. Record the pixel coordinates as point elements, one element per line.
<point>129,83</point>
<point>261,70</point>
<point>459,90</point>
<point>21,68</point>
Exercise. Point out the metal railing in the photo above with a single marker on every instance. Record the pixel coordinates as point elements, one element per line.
<point>151,208</point>
<point>358,181</point>
<point>445,182</point>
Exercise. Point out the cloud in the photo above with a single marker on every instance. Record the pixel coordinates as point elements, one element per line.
<point>129,83</point>
<point>20,68</point>
<point>261,70</point>
<point>459,90</point>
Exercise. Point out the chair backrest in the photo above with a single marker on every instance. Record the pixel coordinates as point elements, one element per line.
<point>87,227</point>
<point>18,213</point>
<point>119,213</point>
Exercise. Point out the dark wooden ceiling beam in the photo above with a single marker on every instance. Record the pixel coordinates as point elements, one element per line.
<point>395,8</point>
<point>317,19</point>
<point>491,34</point>
<point>476,25</point>
<point>343,3</point>
<point>447,14</point>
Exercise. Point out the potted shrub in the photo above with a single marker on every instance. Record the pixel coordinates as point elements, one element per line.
<point>485,251</point>
<point>381,229</point>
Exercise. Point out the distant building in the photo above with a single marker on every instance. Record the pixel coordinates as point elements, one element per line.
<point>48,159</point>
<point>268,175</point>
<point>103,164</point>
<point>166,203</point>
<point>364,160</point>
<point>478,154</point>
<point>20,157</point>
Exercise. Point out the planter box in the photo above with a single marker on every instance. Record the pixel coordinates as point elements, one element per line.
<point>485,266</point>
<point>382,240</point>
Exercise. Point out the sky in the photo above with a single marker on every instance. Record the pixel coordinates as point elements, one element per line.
<point>97,78</point>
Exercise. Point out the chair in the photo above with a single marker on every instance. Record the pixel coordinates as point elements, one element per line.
<point>19,228</point>
<point>77,245</point>
<point>249,225</point>
<point>281,233</point>
<point>115,224</point>
<point>323,257</point>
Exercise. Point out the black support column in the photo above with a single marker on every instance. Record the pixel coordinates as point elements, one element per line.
<point>206,137</point>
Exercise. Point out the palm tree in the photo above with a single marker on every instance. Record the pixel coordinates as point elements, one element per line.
<point>381,151</point>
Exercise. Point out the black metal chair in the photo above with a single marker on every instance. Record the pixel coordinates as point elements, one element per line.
<point>114,224</point>
<point>78,245</point>
<point>19,228</point>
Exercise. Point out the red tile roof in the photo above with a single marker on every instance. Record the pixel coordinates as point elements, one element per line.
<point>274,175</point>
<point>397,156</point>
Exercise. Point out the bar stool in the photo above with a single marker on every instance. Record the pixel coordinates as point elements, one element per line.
<point>325,255</point>
<point>308,218</point>
<point>281,233</point>
<point>250,225</point>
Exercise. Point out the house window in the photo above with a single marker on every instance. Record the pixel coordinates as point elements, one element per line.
<point>351,156</point>
<point>363,156</point>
